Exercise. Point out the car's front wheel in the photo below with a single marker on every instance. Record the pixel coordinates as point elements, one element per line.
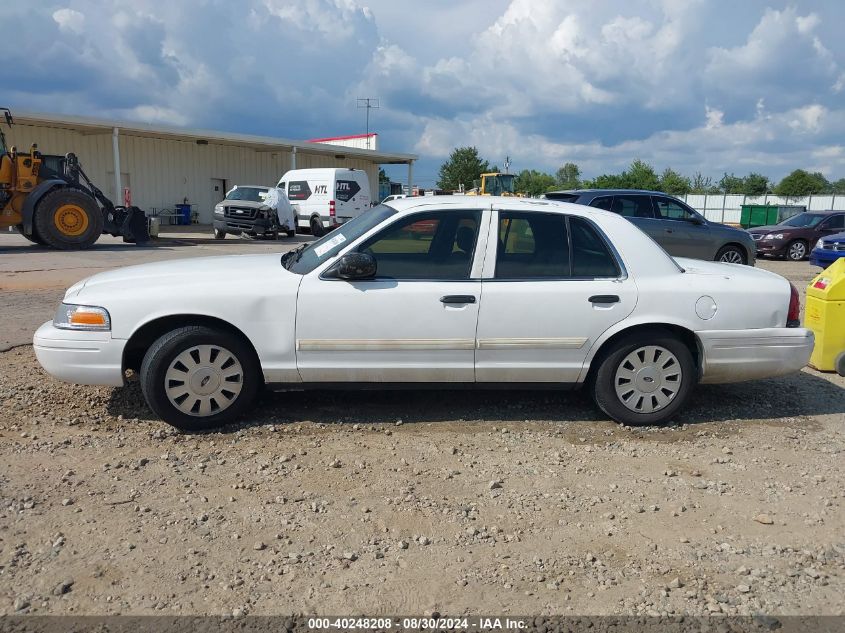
<point>644,378</point>
<point>197,377</point>
<point>219,235</point>
<point>796,250</point>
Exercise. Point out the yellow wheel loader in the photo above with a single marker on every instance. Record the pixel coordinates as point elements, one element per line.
<point>494,184</point>
<point>51,201</point>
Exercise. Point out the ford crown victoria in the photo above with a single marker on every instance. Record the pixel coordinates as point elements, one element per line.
<point>458,291</point>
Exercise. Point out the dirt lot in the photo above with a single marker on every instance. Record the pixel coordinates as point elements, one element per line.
<point>408,503</point>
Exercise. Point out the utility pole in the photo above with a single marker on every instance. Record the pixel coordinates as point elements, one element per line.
<point>507,164</point>
<point>368,103</point>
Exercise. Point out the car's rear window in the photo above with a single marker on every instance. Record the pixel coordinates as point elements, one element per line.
<point>562,197</point>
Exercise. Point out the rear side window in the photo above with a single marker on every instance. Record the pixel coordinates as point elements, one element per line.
<point>532,245</point>
<point>836,222</point>
<point>631,206</point>
<point>602,202</point>
<point>590,255</point>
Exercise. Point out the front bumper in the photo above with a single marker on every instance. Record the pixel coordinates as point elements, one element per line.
<point>773,248</point>
<point>823,257</point>
<point>83,358</point>
<point>259,226</point>
<point>740,355</point>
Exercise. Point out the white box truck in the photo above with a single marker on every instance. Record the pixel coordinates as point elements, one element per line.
<point>323,198</point>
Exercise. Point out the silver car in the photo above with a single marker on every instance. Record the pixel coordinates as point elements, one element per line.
<point>679,229</point>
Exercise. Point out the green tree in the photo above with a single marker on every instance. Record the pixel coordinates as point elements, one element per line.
<point>463,167</point>
<point>674,183</point>
<point>838,186</point>
<point>533,182</point>
<point>755,184</point>
<point>731,184</point>
<point>382,176</point>
<point>802,183</point>
<point>641,175</point>
<point>608,181</point>
<point>569,176</point>
<point>702,184</point>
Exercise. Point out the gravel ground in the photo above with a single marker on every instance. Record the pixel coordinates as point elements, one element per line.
<point>414,502</point>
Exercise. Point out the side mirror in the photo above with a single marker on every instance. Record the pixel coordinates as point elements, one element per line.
<point>356,266</point>
<point>697,219</point>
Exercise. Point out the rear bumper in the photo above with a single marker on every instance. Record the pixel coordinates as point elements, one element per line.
<point>82,358</point>
<point>823,258</point>
<point>739,355</point>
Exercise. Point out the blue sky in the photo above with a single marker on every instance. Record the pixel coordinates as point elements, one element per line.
<point>699,85</point>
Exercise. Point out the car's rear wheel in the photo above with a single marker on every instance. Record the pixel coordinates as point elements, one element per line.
<point>731,254</point>
<point>317,229</point>
<point>291,233</point>
<point>197,377</point>
<point>796,251</point>
<point>644,378</point>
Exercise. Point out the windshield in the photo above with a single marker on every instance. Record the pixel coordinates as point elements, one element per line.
<point>806,220</point>
<point>307,257</point>
<point>251,194</point>
<point>497,185</point>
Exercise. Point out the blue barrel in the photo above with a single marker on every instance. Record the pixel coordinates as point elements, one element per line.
<point>184,211</point>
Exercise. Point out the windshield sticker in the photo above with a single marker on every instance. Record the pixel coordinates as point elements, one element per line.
<point>324,248</point>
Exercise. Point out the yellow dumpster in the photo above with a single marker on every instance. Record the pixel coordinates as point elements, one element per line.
<point>825,316</point>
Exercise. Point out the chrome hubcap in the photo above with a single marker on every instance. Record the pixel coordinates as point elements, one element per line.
<point>203,380</point>
<point>648,379</point>
<point>797,250</point>
<point>731,257</point>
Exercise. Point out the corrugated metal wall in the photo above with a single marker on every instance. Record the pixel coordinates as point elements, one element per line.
<point>163,172</point>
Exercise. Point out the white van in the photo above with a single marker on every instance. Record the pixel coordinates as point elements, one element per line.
<point>323,198</point>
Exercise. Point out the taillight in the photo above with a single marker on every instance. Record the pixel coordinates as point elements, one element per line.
<point>331,208</point>
<point>793,317</point>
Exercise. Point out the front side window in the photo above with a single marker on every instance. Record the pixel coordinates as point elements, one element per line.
<point>803,220</point>
<point>434,245</point>
<point>532,245</point>
<point>632,206</point>
<point>307,257</point>
<point>668,209</point>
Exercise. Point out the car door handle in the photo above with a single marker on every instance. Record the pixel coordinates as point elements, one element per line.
<point>668,230</point>
<point>604,299</point>
<point>457,299</point>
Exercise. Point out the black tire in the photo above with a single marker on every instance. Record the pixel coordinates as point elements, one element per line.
<point>604,380</point>
<point>291,233</point>
<point>33,237</point>
<point>797,250</point>
<point>161,354</point>
<point>732,254</point>
<point>68,219</point>
<point>317,228</point>
<point>839,364</point>
<point>219,235</point>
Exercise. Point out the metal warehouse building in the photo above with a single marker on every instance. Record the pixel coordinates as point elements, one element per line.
<point>163,166</point>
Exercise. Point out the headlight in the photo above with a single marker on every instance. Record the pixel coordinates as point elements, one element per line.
<point>218,210</point>
<point>774,236</point>
<point>820,243</point>
<point>74,317</point>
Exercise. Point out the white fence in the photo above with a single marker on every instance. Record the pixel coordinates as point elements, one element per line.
<point>721,207</point>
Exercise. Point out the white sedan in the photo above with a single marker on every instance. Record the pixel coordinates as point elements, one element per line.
<point>457,291</point>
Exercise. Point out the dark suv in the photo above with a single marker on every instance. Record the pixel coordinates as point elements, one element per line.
<point>795,238</point>
<point>679,229</point>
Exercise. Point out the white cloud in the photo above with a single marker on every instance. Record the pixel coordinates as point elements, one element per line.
<point>713,117</point>
<point>69,21</point>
